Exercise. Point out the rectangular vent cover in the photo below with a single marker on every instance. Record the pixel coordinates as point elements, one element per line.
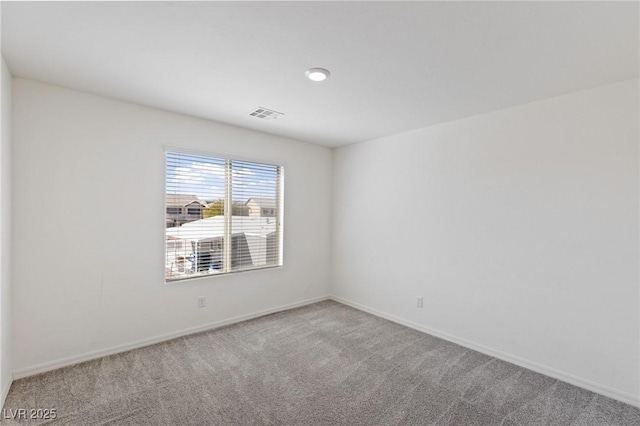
<point>265,114</point>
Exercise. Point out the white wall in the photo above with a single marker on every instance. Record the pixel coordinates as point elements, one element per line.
<point>5,234</point>
<point>90,279</point>
<point>519,228</point>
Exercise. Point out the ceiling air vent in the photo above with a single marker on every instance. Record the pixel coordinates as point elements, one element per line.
<point>265,114</point>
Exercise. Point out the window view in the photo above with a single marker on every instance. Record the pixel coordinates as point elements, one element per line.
<point>222,215</point>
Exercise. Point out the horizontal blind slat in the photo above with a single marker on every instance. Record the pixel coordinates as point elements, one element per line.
<point>194,208</point>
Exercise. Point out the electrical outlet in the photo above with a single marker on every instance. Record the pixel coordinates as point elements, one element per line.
<point>420,303</point>
<point>202,301</point>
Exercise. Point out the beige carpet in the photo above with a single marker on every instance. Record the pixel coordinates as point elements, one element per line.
<point>324,364</point>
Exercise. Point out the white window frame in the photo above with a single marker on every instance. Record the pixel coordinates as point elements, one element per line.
<point>228,241</point>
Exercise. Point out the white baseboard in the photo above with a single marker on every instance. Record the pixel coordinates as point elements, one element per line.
<point>539,368</point>
<point>625,397</point>
<point>88,356</point>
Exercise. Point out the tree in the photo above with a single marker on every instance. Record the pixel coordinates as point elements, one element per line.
<point>215,208</point>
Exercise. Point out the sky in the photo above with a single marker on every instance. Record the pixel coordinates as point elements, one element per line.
<point>204,176</point>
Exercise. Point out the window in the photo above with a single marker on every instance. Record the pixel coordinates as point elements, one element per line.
<point>239,224</point>
<point>174,210</point>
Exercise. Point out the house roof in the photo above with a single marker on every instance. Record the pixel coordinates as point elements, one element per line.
<point>263,203</point>
<point>181,200</point>
<point>213,227</point>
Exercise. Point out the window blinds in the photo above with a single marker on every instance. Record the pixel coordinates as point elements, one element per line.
<point>222,215</point>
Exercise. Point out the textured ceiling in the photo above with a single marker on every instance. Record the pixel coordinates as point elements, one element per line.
<point>395,66</point>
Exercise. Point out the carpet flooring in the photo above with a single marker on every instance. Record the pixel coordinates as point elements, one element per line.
<point>323,364</point>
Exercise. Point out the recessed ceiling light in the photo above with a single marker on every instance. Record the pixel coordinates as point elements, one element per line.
<point>317,74</point>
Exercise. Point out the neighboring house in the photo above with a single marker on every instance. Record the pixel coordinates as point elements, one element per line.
<point>261,207</point>
<point>183,208</point>
<point>197,246</point>
<point>217,207</point>
<point>240,209</point>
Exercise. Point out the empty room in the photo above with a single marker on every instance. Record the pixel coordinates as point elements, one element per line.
<point>320,213</point>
